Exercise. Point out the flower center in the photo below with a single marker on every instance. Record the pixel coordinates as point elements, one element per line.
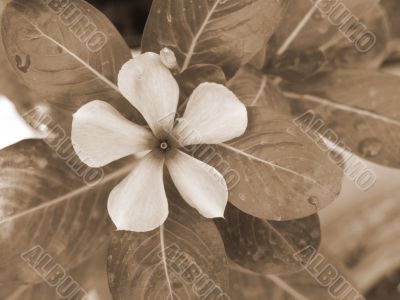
<point>164,146</point>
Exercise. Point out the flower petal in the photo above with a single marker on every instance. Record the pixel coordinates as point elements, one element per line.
<point>151,89</point>
<point>100,135</point>
<point>213,115</point>
<point>139,202</point>
<point>202,186</point>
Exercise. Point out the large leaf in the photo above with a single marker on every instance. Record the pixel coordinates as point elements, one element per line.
<point>224,33</point>
<point>67,58</point>
<point>360,106</point>
<point>44,203</point>
<point>267,247</point>
<point>274,171</point>
<point>193,266</point>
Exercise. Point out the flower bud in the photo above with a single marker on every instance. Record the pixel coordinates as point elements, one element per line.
<point>168,58</point>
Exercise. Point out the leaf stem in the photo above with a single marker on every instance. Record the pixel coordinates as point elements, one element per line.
<point>297,30</point>
<point>164,260</point>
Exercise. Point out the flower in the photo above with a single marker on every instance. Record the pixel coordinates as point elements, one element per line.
<point>213,115</point>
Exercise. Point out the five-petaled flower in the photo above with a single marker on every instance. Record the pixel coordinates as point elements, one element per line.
<point>213,115</point>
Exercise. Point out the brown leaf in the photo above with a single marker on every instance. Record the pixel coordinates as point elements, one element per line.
<point>46,204</point>
<point>267,247</point>
<point>66,65</point>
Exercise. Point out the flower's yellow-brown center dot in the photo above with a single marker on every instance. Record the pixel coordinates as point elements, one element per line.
<point>164,146</point>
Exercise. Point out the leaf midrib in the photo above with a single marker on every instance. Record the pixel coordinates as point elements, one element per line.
<point>193,44</point>
<point>76,57</point>
<point>108,178</point>
<point>327,102</point>
<point>266,162</point>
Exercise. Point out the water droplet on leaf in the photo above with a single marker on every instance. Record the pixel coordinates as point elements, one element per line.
<point>370,147</point>
<point>313,201</point>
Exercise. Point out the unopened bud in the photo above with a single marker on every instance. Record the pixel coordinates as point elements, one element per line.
<point>168,58</point>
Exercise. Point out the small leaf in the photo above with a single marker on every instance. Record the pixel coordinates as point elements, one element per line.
<point>359,106</point>
<point>67,54</point>
<point>207,32</point>
<point>195,259</point>
<point>46,204</point>
<point>267,247</point>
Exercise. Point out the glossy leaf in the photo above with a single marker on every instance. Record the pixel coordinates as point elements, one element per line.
<point>48,205</point>
<point>194,255</point>
<point>207,32</point>
<point>267,247</point>
<point>359,106</point>
<point>68,54</point>
<point>272,155</point>
<point>274,171</point>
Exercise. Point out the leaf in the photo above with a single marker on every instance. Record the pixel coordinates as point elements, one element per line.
<point>360,106</point>
<point>272,155</point>
<point>46,204</point>
<point>267,247</point>
<point>194,258</point>
<point>256,89</point>
<point>207,31</point>
<point>273,171</point>
<point>67,65</point>
<point>322,45</point>
<point>317,30</point>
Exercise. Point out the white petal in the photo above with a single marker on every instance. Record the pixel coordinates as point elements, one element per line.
<point>213,115</point>
<point>139,202</point>
<point>100,135</point>
<point>202,186</point>
<point>148,84</point>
